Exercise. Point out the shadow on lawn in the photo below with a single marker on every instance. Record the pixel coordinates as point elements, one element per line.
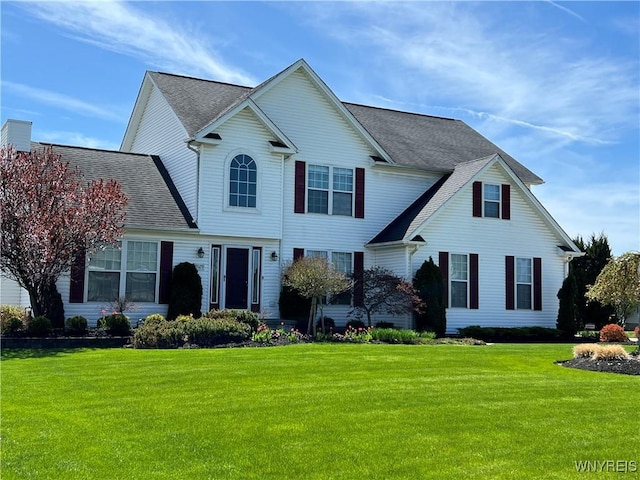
<point>24,353</point>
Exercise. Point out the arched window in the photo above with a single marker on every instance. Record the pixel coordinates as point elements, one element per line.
<point>242,181</point>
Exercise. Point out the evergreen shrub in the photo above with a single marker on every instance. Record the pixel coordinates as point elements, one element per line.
<point>76,325</point>
<point>186,291</point>
<point>39,326</point>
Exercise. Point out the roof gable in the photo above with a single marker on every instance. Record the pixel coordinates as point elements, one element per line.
<point>414,219</point>
<point>408,139</point>
<point>154,202</point>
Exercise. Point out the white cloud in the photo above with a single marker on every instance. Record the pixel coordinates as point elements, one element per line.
<point>467,55</point>
<point>62,101</point>
<point>76,139</point>
<point>122,28</point>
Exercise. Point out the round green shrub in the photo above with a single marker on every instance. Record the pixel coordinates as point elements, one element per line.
<point>77,325</point>
<point>329,325</point>
<point>116,324</point>
<point>39,327</point>
<point>160,333</point>
<point>154,318</point>
<point>356,324</point>
<point>11,325</point>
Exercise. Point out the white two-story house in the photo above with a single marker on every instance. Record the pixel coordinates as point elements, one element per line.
<point>248,179</point>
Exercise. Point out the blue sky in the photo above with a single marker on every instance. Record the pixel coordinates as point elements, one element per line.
<point>555,84</point>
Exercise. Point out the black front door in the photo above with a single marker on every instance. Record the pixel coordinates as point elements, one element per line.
<point>237,278</point>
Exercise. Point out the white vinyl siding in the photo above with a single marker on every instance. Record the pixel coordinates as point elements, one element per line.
<point>526,235</point>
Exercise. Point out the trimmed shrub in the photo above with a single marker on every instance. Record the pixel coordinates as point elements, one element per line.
<point>217,331</point>
<point>391,335</point>
<point>116,324</point>
<point>11,326</point>
<point>294,306</point>
<point>613,333</point>
<point>11,319</point>
<point>39,326</point>
<point>514,334</point>
<point>186,291</point>
<point>356,324</point>
<point>610,352</point>
<point>242,316</point>
<point>568,310</point>
<point>430,286</point>
<point>10,311</point>
<point>77,325</point>
<point>586,350</point>
<point>329,325</point>
<point>384,325</point>
<point>154,318</point>
<point>159,333</point>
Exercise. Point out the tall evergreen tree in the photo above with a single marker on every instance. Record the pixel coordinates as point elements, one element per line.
<point>567,312</point>
<point>586,270</point>
<point>430,286</point>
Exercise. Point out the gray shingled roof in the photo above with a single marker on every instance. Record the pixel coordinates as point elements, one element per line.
<point>153,200</point>
<point>197,102</point>
<point>411,139</point>
<point>430,202</point>
<point>431,143</point>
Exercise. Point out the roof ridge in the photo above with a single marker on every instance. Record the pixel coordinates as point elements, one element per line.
<point>93,149</point>
<point>189,77</point>
<point>402,111</point>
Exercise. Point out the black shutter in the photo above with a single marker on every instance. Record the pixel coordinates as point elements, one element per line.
<point>166,270</point>
<point>443,263</point>
<point>510,283</point>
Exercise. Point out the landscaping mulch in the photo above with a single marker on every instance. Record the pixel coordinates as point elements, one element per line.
<point>630,366</point>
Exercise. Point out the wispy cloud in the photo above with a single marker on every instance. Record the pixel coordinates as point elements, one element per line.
<point>565,9</point>
<point>75,138</point>
<point>464,54</point>
<point>125,29</point>
<point>62,101</point>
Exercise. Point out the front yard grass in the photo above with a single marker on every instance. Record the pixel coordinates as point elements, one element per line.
<point>313,411</point>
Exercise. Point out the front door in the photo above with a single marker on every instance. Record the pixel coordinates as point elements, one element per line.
<point>237,278</point>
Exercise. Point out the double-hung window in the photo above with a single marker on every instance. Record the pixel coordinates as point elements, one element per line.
<point>524,283</point>
<point>342,262</point>
<point>491,200</point>
<point>104,275</point>
<point>136,278</point>
<point>142,268</point>
<point>330,190</point>
<point>459,280</point>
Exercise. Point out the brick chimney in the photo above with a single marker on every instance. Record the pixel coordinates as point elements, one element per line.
<point>18,134</point>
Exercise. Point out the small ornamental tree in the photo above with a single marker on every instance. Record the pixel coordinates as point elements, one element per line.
<point>567,311</point>
<point>619,284</point>
<point>384,292</point>
<point>314,278</point>
<point>186,291</point>
<point>430,287</point>
<point>48,213</point>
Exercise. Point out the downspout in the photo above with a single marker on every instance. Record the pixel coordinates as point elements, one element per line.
<point>196,150</point>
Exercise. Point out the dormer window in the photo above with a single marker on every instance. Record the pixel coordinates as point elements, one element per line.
<point>243,181</point>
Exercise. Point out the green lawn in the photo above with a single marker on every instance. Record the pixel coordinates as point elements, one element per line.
<point>323,411</point>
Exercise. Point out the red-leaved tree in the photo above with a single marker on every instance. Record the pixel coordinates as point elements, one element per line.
<point>49,213</point>
<point>384,292</point>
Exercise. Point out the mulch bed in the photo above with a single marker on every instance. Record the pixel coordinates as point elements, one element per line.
<point>626,367</point>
